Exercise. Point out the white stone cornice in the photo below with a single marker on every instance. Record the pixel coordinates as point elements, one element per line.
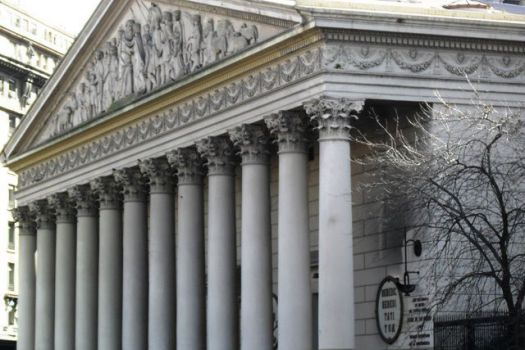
<point>159,174</point>
<point>63,206</point>
<point>188,165</point>
<point>132,182</point>
<point>108,192</point>
<point>290,129</point>
<point>219,154</point>
<point>333,116</point>
<point>253,141</point>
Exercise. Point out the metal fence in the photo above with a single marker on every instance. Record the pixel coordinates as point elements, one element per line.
<point>480,331</point>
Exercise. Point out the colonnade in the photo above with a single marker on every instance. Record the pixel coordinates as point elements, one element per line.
<point>108,278</point>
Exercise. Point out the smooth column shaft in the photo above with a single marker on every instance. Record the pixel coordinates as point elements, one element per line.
<point>65,285</point>
<point>256,265</point>
<point>162,291</point>
<point>336,284</point>
<point>110,280</point>
<point>222,266</point>
<point>45,289</point>
<point>190,269</point>
<point>26,292</point>
<point>295,300</point>
<point>87,283</point>
<point>135,287</point>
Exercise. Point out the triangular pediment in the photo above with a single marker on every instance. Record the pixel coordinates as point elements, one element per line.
<point>143,47</point>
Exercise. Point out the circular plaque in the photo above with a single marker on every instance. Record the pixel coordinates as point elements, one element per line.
<point>389,310</point>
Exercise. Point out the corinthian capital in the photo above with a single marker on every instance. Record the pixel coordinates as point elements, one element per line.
<point>23,216</point>
<point>158,173</point>
<point>84,200</point>
<point>188,165</point>
<point>132,182</point>
<point>333,116</point>
<point>253,141</point>
<point>108,192</point>
<point>290,128</point>
<point>44,215</point>
<point>219,155</point>
<point>63,206</point>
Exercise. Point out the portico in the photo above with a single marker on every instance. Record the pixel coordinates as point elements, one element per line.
<point>181,206</point>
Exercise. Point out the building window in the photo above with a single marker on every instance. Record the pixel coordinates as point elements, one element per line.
<point>11,232</point>
<point>12,87</point>
<point>12,190</point>
<point>11,317</point>
<point>33,28</point>
<point>11,268</point>
<point>13,122</point>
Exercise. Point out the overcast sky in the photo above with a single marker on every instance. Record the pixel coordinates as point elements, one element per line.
<point>70,15</point>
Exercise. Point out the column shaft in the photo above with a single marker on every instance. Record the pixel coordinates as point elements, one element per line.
<point>87,269</point>
<point>294,291</point>
<point>110,264</point>
<point>256,264</point>
<point>336,267</point>
<point>222,314</point>
<point>26,288</point>
<point>191,326</point>
<point>162,292</point>
<point>45,280</point>
<point>135,258</point>
<point>65,272</point>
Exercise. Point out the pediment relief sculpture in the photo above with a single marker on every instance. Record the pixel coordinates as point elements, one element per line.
<point>153,47</point>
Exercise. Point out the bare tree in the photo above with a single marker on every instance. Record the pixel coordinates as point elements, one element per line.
<point>459,176</point>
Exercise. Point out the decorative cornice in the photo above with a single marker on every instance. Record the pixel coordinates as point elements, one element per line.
<point>253,141</point>
<point>301,65</point>
<point>85,201</point>
<point>332,116</point>
<point>290,129</point>
<point>23,216</point>
<point>63,206</point>
<point>158,173</point>
<point>44,215</point>
<point>133,184</point>
<point>219,154</point>
<point>188,165</point>
<point>108,192</point>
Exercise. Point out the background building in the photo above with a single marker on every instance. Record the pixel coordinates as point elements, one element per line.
<point>29,52</point>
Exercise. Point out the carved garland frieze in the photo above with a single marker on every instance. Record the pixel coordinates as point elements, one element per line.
<point>421,61</point>
<point>146,55</point>
<point>201,107</point>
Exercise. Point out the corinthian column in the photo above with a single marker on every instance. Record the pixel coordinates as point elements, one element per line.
<point>222,265</point>
<point>110,264</point>
<point>65,271</point>
<point>135,260</point>
<point>295,298</point>
<point>26,286</point>
<point>336,271</point>
<point>256,255</point>
<point>87,268</point>
<point>161,327</point>
<point>45,276</point>
<point>190,251</point>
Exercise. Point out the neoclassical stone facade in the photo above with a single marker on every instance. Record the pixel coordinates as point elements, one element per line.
<point>203,196</point>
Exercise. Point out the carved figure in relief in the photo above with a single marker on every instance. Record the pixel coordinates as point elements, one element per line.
<point>236,42</point>
<point>110,75</point>
<point>166,28</point>
<point>177,59</point>
<point>126,51</point>
<point>99,81</point>
<point>250,33</point>
<point>139,72</point>
<point>208,36</point>
<point>220,42</point>
<point>157,37</point>
<point>91,90</point>
<point>83,103</point>
<point>149,58</point>
<point>193,45</point>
